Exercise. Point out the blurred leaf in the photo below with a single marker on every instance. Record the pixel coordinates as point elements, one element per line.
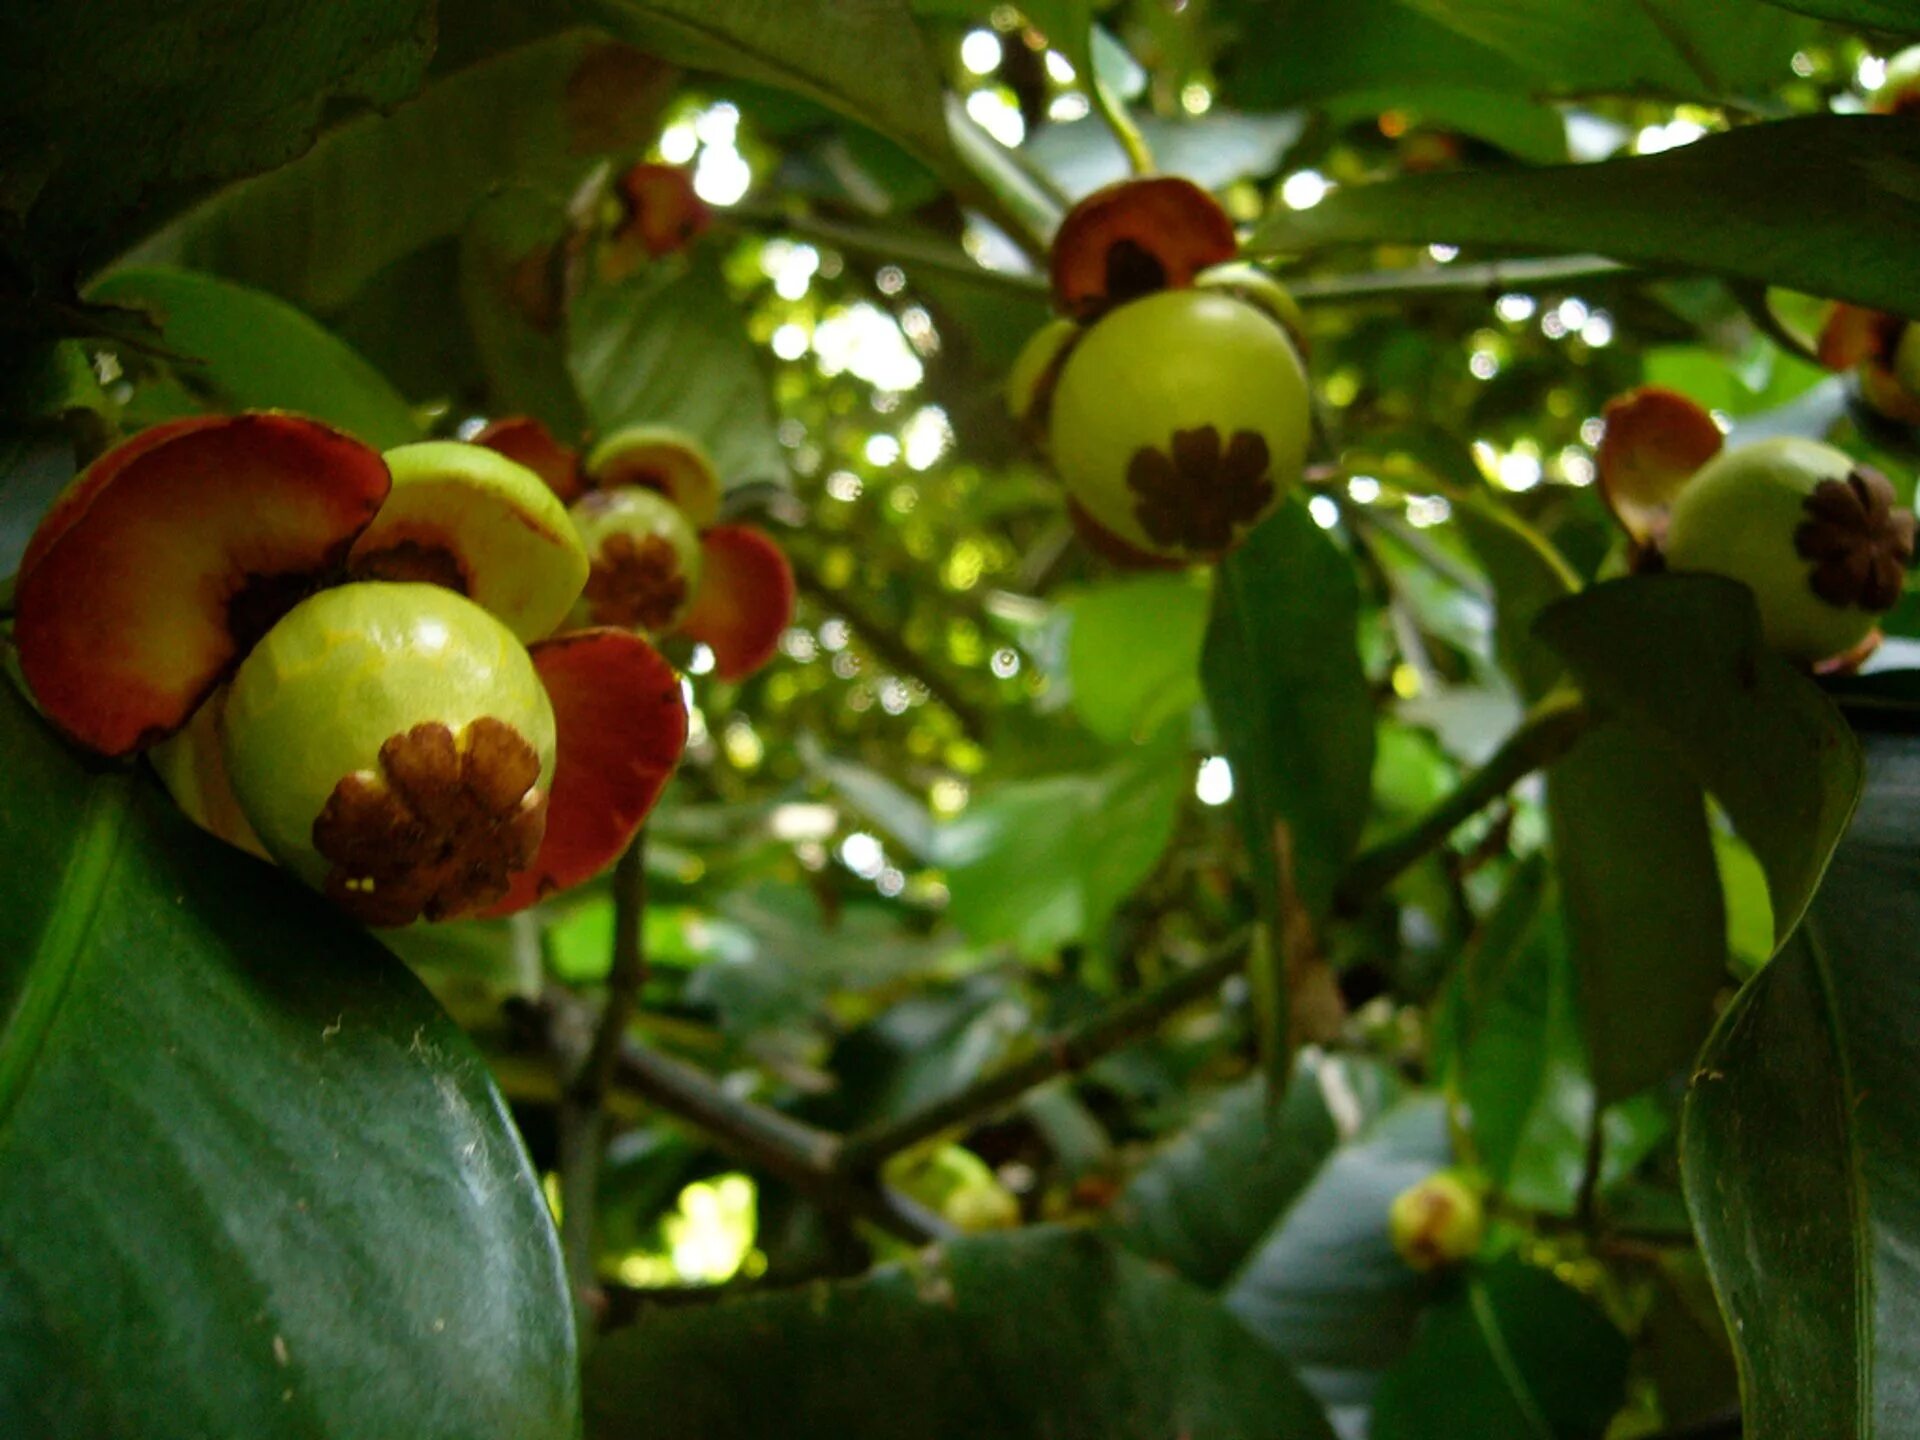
<point>116,115</point>
<point>1035,1333</point>
<point>511,289</point>
<point>1510,1354</point>
<point>1844,178</point>
<point>261,353</point>
<point>1133,653</point>
<point>1325,1287</point>
<point>1019,861</point>
<point>1771,378</point>
<point>1213,151</point>
<point>1528,574</point>
<point>1706,48</point>
<point>1800,1143</point>
<point>903,816</point>
<point>1896,16</point>
<point>1208,1197</point>
<point>1683,655</point>
<point>235,1132</point>
<point>1642,895</point>
<point>928,1047</point>
<point>671,348</point>
<point>383,186</point>
<point>1284,682</point>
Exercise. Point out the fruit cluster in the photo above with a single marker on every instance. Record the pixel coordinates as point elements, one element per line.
<point>646,505</point>
<point>1816,536</point>
<point>1171,397</point>
<point>345,662</point>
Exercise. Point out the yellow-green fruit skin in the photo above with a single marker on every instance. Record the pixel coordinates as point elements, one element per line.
<point>522,558</point>
<point>1033,366</point>
<point>1253,285</point>
<point>1176,361</point>
<point>1737,518</point>
<point>345,670</point>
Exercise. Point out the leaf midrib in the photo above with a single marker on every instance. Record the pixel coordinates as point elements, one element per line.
<point>75,911</point>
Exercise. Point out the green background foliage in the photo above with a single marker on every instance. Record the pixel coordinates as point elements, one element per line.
<point>1053,973</point>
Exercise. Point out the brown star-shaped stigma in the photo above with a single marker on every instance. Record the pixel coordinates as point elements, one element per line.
<point>636,583</point>
<point>440,830</point>
<point>1859,542</point>
<point>1196,496</point>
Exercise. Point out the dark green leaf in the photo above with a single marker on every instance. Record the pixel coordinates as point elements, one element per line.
<point>511,290</point>
<point>256,1183</point>
<point>1511,1354</point>
<point>1801,1144</point>
<point>1283,679</point>
<point>112,117</point>
<point>1683,655</point>
<point>1642,894</point>
<point>1208,1198</point>
<point>1036,1334</point>
<point>1898,16</point>
<point>383,186</point>
<point>1846,180</point>
<point>670,348</point>
<point>1325,1287</point>
<point>257,352</point>
<point>1708,48</point>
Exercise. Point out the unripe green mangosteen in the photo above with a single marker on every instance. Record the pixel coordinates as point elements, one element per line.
<point>1438,1222</point>
<point>645,559</point>
<point>392,745</point>
<point>1813,534</point>
<point>1179,420</point>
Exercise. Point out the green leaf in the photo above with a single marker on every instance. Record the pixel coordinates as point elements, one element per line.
<point>257,352</point>
<point>510,292</point>
<point>1800,1143</point>
<point>671,348</point>
<point>115,115</point>
<point>1708,48</point>
<point>237,1135</point>
<point>1511,1354</point>
<point>1897,16</point>
<point>1325,1287</point>
<point>1283,678</point>
<point>383,186</point>
<point>1642,896</point>
<point>867,60</point>
<point>1210,1195</point>
<point>1020,865</point>
<point>1035,1334</point>
<point>1528,574</point>
<point>1847,181</point>
<point>1133,653</point>
<point>1683,655</point>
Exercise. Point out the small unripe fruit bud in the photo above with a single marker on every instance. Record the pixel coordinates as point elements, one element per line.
<point>1816,537</point>
<point>660,458</point>
<point>1438,1222</point>
<point>1030,381</point>
<point>1179,420</point>
<point>392,744</point>
<point>645,558</point>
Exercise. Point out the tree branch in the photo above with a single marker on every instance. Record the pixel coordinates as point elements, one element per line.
<point>886,643</point>
<point>582,1118</point>
<point>1547,733</point>
<point>1065,1054</point>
